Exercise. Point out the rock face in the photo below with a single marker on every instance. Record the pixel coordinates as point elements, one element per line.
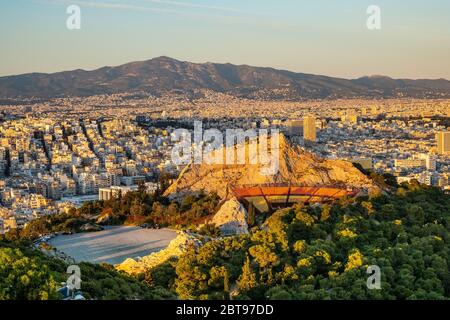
<point>296,166</point>
<point>175,248</point>
<point>104,218</point>
<point>231,218</point>
<point>90,227</point>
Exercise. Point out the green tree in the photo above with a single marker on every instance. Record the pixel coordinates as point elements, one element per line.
<point>23,278</point>
<point>247,279</point>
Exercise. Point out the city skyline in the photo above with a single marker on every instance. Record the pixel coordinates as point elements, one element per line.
<point>320,38</point>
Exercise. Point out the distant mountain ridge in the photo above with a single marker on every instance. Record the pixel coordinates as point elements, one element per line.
<point>163,74</point>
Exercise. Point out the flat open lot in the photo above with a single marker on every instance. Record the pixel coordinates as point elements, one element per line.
<point>114,244</point>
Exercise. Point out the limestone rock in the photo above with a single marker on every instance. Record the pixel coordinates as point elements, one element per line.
<point>90,227</point>
<point>175,248</point>
<point>296,167</point>
<point>104,219</point>
<point>231,218</point>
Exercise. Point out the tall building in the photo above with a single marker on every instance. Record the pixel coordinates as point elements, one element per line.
<point>309,130</point>
<point>443,142</point>
<point>430,162</point>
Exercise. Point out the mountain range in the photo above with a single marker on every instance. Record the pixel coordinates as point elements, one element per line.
<point>163,74</point>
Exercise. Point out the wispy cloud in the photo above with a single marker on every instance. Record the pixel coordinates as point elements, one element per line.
<point>118,5</point>
<point>245,19</point>
<point>195,5</point>
<point>110,5</point>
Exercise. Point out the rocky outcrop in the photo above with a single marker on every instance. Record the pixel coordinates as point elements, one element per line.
<point>90,227</point>
<point>231,218</point>
<point>104,218</point>
<point>175,248</point>
<point>296,167</point>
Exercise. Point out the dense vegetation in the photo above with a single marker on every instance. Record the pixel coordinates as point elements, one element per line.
<point>133,208</point>
<point>63,222</point>
<point>323,252</point>
<point>28,274</point>
<point>303,252</point>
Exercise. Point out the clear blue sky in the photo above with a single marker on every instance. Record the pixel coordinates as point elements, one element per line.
<point>313,36</point>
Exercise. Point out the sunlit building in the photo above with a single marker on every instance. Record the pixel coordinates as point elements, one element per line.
<point>443,142</point>
<point>309,131</point>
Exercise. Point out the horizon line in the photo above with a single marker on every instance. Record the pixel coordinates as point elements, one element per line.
<point>206,62</point>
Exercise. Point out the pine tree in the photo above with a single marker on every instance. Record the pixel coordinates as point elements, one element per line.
<point>226,282</point>
<point>251,215</point>
<point>247,279</point>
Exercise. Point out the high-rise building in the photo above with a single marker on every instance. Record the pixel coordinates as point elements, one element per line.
<point>443,142</point>
<point>430,161</point>
<point>309,130</point>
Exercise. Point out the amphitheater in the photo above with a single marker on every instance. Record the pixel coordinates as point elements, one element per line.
<point>267,198</point>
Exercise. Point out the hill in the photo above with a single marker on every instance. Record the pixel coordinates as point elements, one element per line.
<point>161,75</point>
<point>296,167</point>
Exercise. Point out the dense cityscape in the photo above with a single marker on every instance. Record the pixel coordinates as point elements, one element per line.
<point>58,154</point>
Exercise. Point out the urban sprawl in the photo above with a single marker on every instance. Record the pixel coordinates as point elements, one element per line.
<point>60,153</point>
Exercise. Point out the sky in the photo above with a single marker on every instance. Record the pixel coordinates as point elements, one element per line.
<point>328,37</point>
